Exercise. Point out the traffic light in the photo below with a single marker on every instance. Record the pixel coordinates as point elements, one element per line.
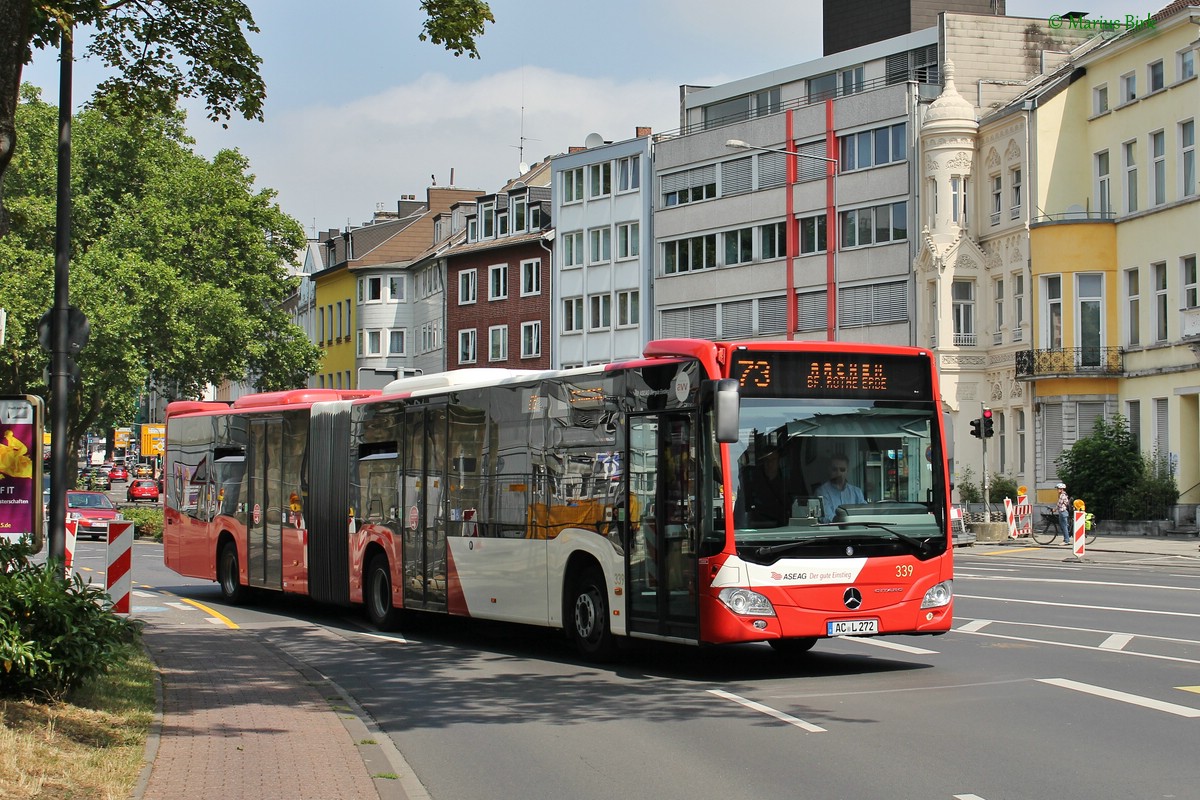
<point>988,424</point>
<point>975,425</point>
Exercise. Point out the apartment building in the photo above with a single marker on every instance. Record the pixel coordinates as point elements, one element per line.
<point>602,243</point>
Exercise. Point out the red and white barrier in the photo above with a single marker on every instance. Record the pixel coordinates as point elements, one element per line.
<point>1079,532</point>
<point>1010,516</point>
<point>119,577</point>
<point>69,546</point>
<point>1024,514</point>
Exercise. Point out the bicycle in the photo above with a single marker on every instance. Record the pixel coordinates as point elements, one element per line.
<point>1050,532</point>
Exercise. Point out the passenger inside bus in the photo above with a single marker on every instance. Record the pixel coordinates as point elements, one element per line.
<point>764,495</point>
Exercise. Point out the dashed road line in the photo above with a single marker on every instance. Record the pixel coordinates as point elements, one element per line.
<point>889,645</point>
<point>770,712</point>
<point>1124,697</point>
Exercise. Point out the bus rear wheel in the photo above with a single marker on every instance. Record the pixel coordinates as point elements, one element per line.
<point>232,591</point>
<point>587,617</point>
<point>378,595</point>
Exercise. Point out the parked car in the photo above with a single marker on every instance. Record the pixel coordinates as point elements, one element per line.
<point>118,473</point>
<point>142,489</point>
<point>91,512</point>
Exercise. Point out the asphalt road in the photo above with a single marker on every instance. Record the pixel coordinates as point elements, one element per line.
<point>1061,680</point>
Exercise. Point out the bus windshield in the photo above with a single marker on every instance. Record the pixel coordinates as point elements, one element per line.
<point>832,469</point>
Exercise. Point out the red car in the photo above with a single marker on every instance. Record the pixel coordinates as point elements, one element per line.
<point>91,513</point>
<point>118,473</point>
<point>142,489</point>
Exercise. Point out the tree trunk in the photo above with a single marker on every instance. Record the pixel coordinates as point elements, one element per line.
<point>14,51</point>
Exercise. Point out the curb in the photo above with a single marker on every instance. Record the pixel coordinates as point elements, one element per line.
<point>154,735</point>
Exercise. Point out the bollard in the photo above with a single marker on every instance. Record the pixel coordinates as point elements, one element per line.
<point>69,546</point>
<point>119,579</point>
<point>1010,517</point>
<point>1079,533</point>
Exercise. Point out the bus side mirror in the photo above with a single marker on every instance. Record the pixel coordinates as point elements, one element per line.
<point>726,409</point>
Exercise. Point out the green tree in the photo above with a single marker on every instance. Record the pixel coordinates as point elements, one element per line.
<point>180,266</point>
<point>1103,466</point>
<point>162,50</point>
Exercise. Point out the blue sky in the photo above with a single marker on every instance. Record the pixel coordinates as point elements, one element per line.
<point>359,111</point>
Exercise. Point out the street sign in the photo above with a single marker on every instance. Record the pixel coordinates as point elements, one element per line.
<point>78,330</point>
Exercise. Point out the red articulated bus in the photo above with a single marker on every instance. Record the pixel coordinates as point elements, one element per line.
<point>710,492</point>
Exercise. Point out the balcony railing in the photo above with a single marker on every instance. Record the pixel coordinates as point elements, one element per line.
<point>1070,361</point>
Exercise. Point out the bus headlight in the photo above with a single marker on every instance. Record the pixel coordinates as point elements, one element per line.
<point>939,595</point>
<point>747,603</point>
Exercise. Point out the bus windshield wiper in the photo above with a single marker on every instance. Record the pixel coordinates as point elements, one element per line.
<point>771,549</point>
<point>920,544</point>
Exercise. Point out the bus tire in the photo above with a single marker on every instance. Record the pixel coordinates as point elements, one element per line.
<point>587,618</point>
<point>377,595</point>
<point>232,591</point>
<point>793,647</point>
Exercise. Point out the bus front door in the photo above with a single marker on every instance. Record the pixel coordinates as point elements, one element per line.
<point>661,559</point>
<point>424,568</point>
<point>264,509</point>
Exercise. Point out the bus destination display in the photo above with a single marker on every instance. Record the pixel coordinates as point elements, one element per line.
<point>851,376</point>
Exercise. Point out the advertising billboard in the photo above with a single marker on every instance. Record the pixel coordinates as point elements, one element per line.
<point>21,467</point>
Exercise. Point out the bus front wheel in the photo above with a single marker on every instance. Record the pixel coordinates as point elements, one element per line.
<point>232,590</point>
<point>378,596</point>
<point>588,616</point>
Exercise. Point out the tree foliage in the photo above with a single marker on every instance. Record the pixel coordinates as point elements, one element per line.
<point>179,265</point>
<point>161,50</point>
<point>1108,471</point>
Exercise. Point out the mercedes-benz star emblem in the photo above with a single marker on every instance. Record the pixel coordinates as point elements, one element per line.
<point>852,598</point>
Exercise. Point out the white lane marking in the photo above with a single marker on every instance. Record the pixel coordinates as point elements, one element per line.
<point>1105,584</point>
<point>385,637</point>
<point>974,625</point>
<point>182,606</point>
<point>1154,656</point>
<point>967,797</point>
<point>903,648</point>
<point>139,593</point>
<point>771,712</point>
<point>1117,641</point>
<point>1059,604</point>
<point>1123,697</point>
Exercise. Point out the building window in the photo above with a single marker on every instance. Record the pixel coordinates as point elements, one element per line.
<point>1100,99</point>
<point>878,225</point>
<point>600,179</point>
<point>690,255</point>
<point>520,220</point>
<point>498,282</point>
<point>739,246</point>
<point>1162,438</point>
<point>572,315</point>
<point>629,173</point>
<point>397,288</point>
<point>1160,301</point>
<point>1158,171</point>
<point>487,220</point>
<point>1103,198</point>
<point>1018,284</point>
<point>629,243</point>
<point>468,287</point>
<point>851,80</point>
<point>472,229</point>
<point>370,289</point>
<point>1187,269</point>
<point>627,308</point>
<point>822,87</point>
<point>1054,312</point>
<point>997,199</point>
<point>812,234</point>
<point>1015,206</point>
<point>1154,76</point>
<point>873,148</point>
<point>601,312</point>
<point>1133,413</point>
<point>689,186</point>
<point>1187,157</point>
<point>772,241</point>
<point>321,324</point>
<point>466,346</point>
<point>531,339</point>
<point>1128,88</point>
<point>531,277</point>
<point>1131,194</point>
<point>600,243</point>
<point>962,294</point>
<point>1089,320</point>
<point>1133,323</point>
<point>998,295</point>
<point>498,343</point>
<point>374,342</point>
<point>397,341</point>
<point>572,249</point>
<point>873,304</point>
<point>572,180</point>
<point>1185,63</point>
<point>1020,425</point>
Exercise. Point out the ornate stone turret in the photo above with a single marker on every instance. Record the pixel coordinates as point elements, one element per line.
<point>948,136</point>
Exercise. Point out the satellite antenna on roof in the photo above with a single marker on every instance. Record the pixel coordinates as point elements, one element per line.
<point>522,168</point>
<point>593,140</point>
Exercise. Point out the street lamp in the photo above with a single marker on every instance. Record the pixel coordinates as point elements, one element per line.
<point>832,243</point>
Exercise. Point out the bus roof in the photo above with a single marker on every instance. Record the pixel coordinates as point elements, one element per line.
<point>299,397</point>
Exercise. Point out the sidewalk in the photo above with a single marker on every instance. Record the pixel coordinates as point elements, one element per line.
<point>1177,546</point>
<point>240,721</point>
